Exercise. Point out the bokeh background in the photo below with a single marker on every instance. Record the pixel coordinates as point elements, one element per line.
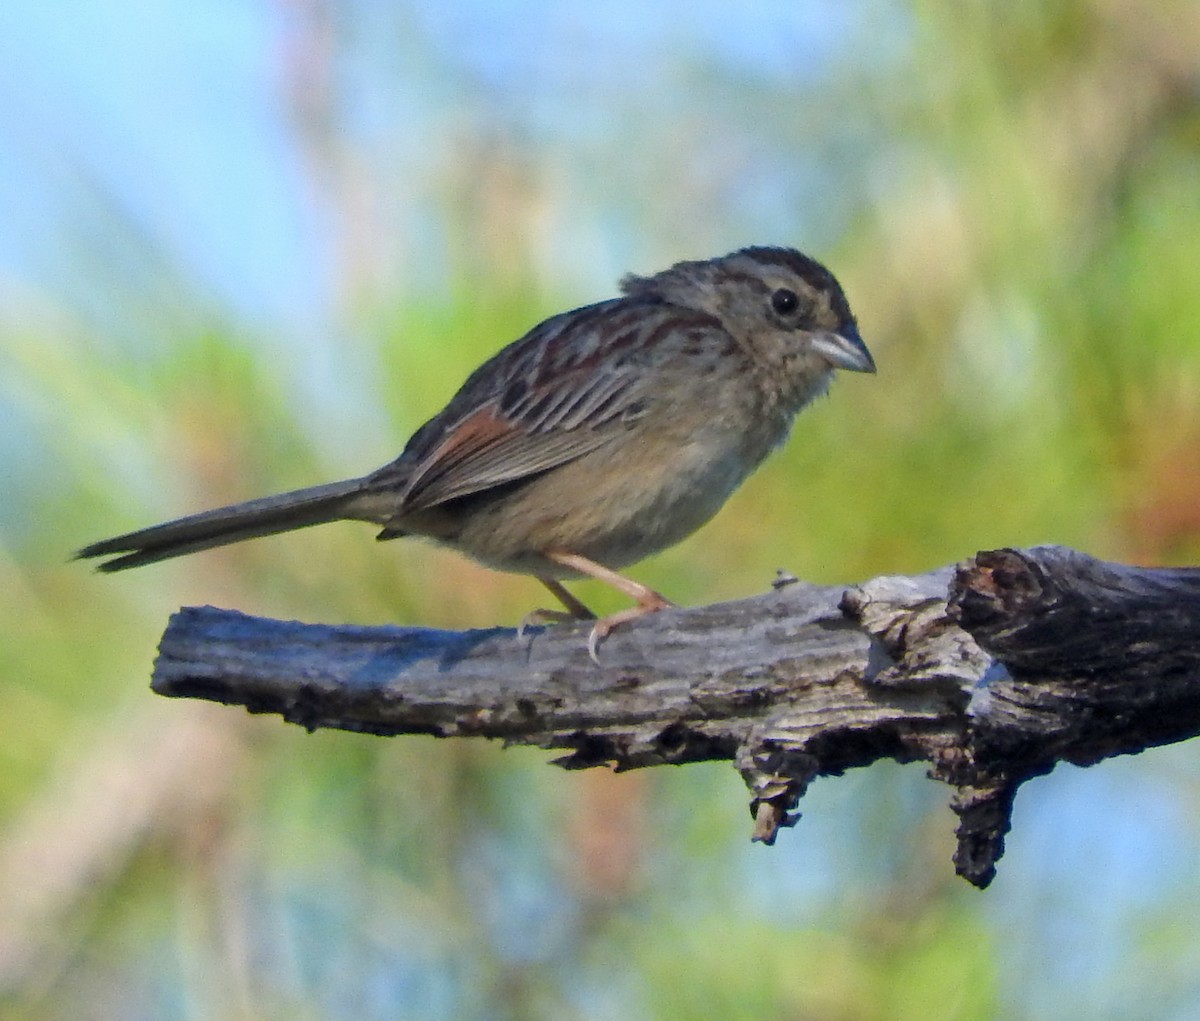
<point>250,245</point>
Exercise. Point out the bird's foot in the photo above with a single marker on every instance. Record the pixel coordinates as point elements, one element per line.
<point>650,602</point>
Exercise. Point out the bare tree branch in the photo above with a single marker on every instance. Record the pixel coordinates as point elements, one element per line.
<point>992,672</point>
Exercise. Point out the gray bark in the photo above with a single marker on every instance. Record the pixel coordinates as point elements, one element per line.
<point>991,672</point>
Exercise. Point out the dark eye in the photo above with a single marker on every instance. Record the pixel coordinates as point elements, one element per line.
<point>784,301</point>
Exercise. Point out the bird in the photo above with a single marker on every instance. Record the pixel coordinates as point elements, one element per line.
<point>603,435</point>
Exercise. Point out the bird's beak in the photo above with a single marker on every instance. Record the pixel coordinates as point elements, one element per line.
<point>845,350</point>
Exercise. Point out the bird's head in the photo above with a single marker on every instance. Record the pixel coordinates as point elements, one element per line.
<point>785,308</point>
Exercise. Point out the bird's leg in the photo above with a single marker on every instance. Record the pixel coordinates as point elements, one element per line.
<point>648,601</point>
<point>575,610</point>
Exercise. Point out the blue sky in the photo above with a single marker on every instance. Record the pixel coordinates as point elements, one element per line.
<point>166,111</point>
<point>168,115</point>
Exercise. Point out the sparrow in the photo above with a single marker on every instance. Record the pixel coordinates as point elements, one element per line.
<point>603,435</point>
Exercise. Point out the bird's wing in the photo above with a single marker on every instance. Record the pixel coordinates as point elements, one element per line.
<point>563,390</point>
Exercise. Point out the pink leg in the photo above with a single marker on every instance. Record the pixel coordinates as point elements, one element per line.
<point>575,608</point>
<point>648,601</point>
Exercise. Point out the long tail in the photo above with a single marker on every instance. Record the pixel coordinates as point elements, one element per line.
<point>271,514</point>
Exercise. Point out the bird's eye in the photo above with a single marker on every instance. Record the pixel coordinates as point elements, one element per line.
<point>784,301</point>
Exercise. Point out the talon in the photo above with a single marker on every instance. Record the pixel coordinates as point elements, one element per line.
<point>593,643</point>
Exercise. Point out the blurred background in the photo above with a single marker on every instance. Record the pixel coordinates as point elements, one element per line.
<point>250,245</point>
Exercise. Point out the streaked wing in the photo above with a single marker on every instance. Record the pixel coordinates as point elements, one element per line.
<point>561,391</point>
<point>485,451</point>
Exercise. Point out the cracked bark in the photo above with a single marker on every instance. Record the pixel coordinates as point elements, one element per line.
<point>992,672</point>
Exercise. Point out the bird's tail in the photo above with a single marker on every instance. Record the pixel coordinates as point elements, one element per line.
<point>271,514</point>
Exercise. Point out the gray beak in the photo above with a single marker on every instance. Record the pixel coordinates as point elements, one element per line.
<point>844,349</point>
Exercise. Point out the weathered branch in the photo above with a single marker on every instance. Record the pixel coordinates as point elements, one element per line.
<point>992,672</point>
